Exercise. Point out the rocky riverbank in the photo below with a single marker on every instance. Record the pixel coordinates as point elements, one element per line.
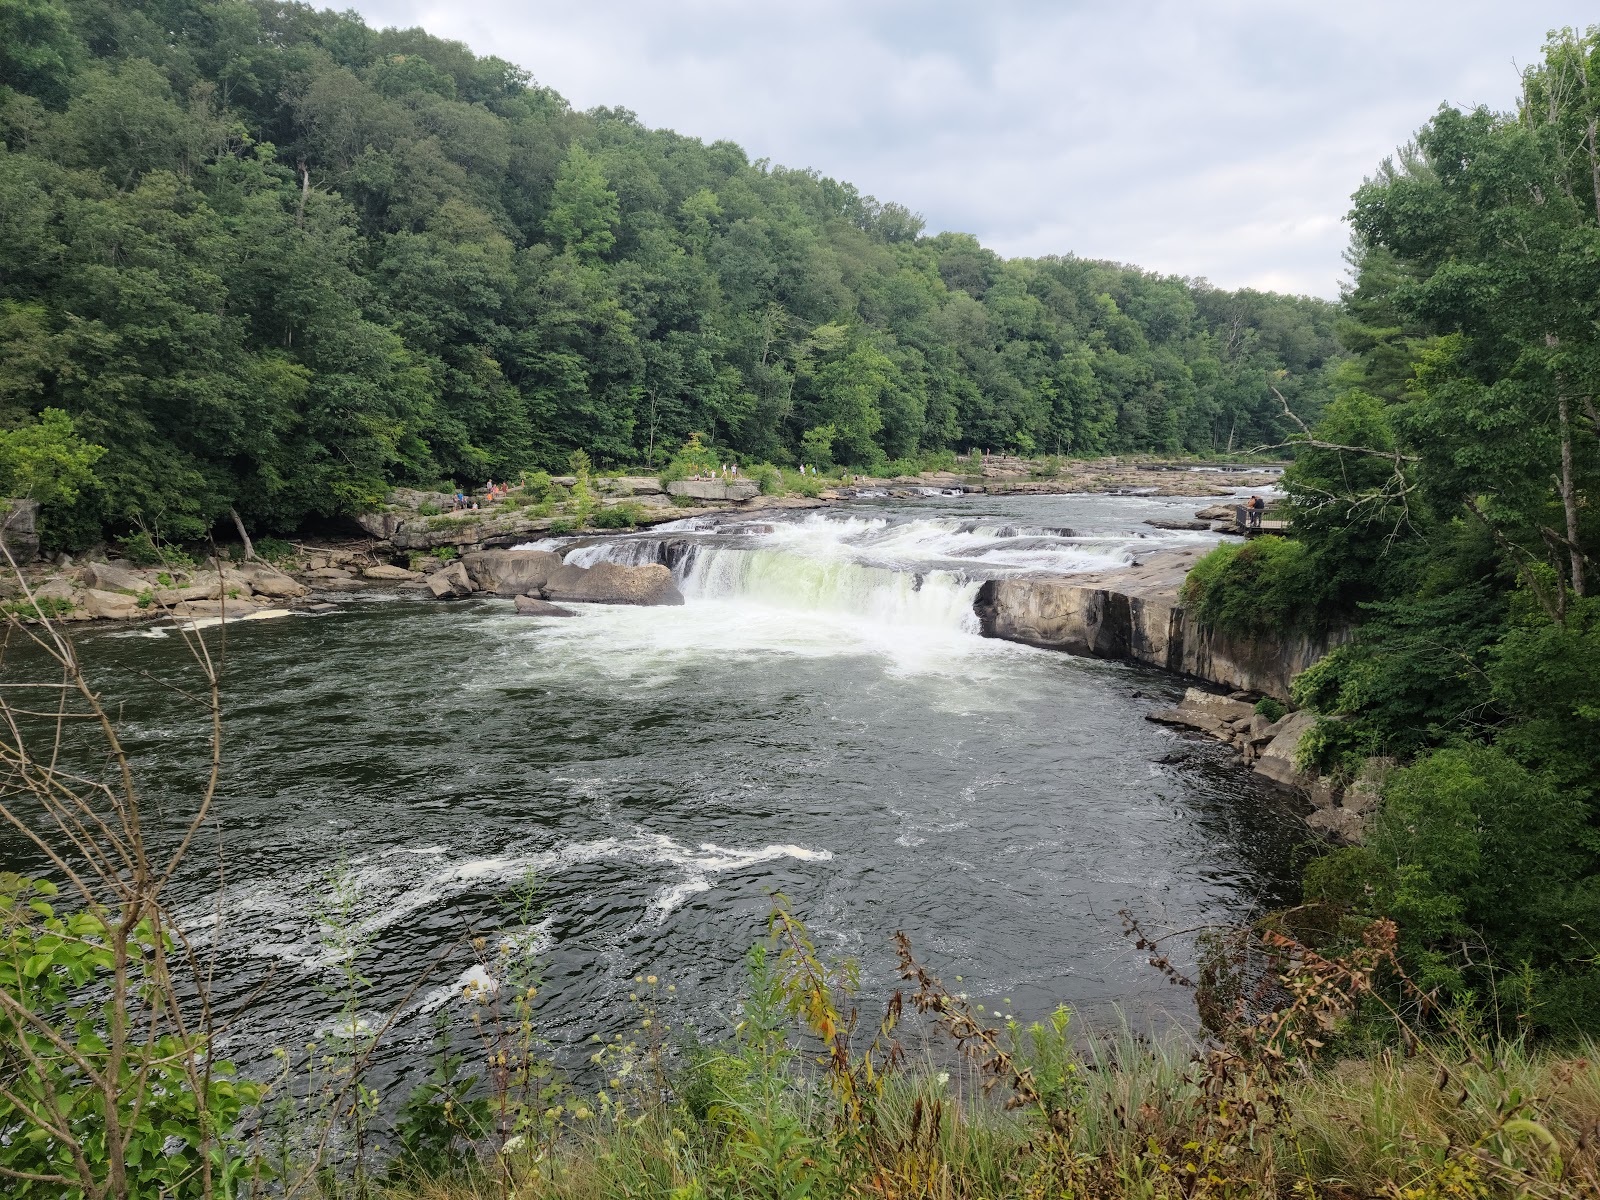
<point>1134,614</point>
<point>1270,747</point>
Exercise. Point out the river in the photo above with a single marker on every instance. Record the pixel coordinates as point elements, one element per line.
<point>821,718</point>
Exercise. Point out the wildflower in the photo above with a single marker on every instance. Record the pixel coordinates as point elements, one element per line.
<point>650,979</point>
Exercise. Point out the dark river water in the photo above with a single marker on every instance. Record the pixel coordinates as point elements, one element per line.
<point>821,719</point>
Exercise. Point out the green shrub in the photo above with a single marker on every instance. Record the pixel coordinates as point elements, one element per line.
<point>275,550</point>
<point>140,549</point>
<point>429,510</point>
<point>1046,468</point>
<point>1254,587</point>
<point>816,446</point>
<point>769,480</point>
<point>562,526</point>
<point>56,969</point>
<point>683,502</point>
<point>444,553</point>
<point>626,515</point>
<point>809,485</point>
<point>1271,709</point>
<point>536,484</point>
<point>40,607</point>
<point>692,458</point>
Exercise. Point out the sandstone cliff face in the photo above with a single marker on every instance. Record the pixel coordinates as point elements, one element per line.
<point>1134,614</point>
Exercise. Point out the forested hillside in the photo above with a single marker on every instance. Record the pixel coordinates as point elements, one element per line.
<point>271,258</point>
<point>1447,504</point>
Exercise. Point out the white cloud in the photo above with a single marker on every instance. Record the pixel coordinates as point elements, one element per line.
<point>1219,138</point>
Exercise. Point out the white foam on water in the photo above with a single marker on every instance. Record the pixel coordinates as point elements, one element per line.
<point>277,917</point>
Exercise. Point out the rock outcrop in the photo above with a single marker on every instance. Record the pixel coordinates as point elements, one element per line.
<point>389,571</point>
<point>531,606</point>
<point>267,580</point>
<point>1134,614</point>
<point>450,582</point>
<point>1338,810</point>
<point>609,583</point>
<point>714,489</point>
<point>19,529</point>
<point>510,572</point>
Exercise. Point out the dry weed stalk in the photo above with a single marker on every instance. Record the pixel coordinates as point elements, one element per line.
<point>148,1024</point>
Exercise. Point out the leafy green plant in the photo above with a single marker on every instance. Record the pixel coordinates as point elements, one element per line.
<point>275,550</point>
<point>1258,586</point>
<point>1272,710</point>
<point>428,509</point>
<point>625,515</point>
<point>562,527</point>
<point>109,1084</point>
<point>808,485</point>
<point>536,484</point>
<point>147,1119</point>
<point>39,608</point>
<point>816,446</point>
<point>140,549</point>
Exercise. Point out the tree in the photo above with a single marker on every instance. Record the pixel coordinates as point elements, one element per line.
<point>584,212</point>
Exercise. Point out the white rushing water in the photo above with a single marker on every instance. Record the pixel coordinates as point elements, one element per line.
<point>892,574</point>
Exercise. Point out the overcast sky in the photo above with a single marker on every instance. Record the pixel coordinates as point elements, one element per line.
<point>1216,138</point>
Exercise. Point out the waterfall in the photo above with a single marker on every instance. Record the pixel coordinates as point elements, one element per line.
<point>780,579</point>
<point>922,572</point>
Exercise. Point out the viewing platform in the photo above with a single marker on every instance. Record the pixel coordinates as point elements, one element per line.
<point>1245,527</point>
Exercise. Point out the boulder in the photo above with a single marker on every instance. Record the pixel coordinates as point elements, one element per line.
<point>511,572</point>
<point>632,485</point>
<point>532,606</point>
<point>267,580</point>
<point>610,583</point>
<point>1323,792</point>
<point>1167,523</point>
<point>58,588</point>
<point>388,571</point>
<point>1217,512</point>
<point>204,588</point>
<point>1191,719</point>
<point>111,606</point>
<point>106,578</point>
<point>1339,823</point>
<point>381,525</point>
<point>1366,792</point>
<point>19,529</point>
<point>1221,707</point>
<point>714,489</point>
<point>329,573</point>
<point>1277,758</point>
<point>450,582</point>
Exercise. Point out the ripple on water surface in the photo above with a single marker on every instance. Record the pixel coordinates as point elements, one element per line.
<point>657,773</point>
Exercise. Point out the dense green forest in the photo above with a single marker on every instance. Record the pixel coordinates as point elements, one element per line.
<point>271,258</point>
<point>1447,505</point>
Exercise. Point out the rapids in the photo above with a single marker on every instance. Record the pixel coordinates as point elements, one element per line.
<point>820,718</point>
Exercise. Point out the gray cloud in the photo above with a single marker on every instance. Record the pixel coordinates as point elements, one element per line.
<point>1220,138</point>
